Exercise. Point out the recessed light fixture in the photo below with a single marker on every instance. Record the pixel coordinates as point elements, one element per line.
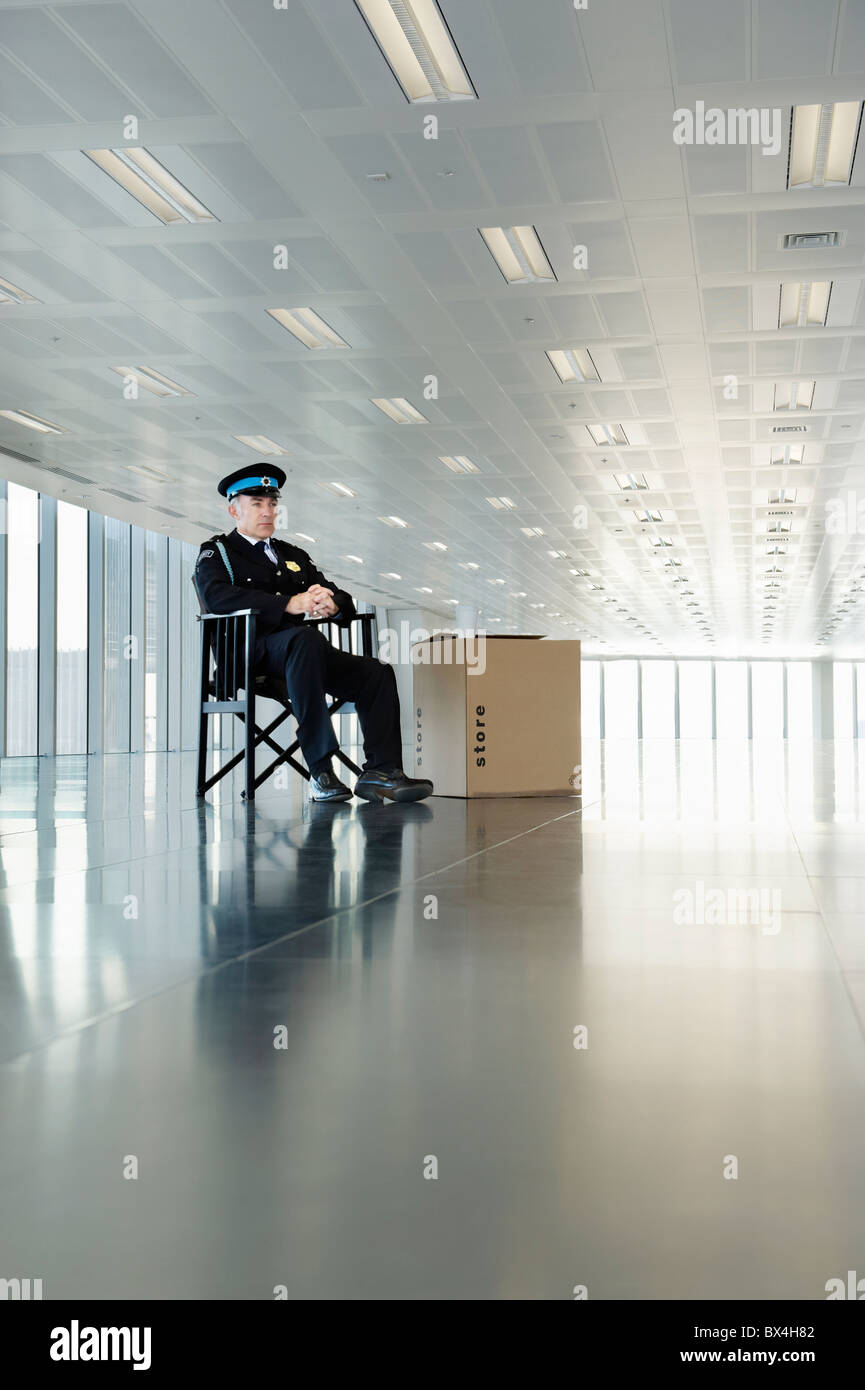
<point>501,503</point>
<point>777,496</point>
<point>458,463</point>
<point>308,328</point>
<point>785,454</point>
<point>648,515</point>
<point>393,521</point>
<point>401,411</point>
<point>153,381</point>
<point>468,565</point>
<point>33,422</point>
<point>518,253</point>
<point>356,558</point>
<point>423,590</point>
<point>302,536</point>
<point>389,575</point>
<point>631,482</point>
<point>532,530</point>
<point>435,545</point>
<point>338,489</point>
<point>581,574</point>
<point>147,471</point>
<point>260,444</point>
<point>573,364</point>
<point>658,541</point>
<point>823,144</point>
<point>794,395</point>
<point>11,294</point>
<point>607,434</point>
<point>150,184</point>
<point>416,42</point>
<point>804,303</point>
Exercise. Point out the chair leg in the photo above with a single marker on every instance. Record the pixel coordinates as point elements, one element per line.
<point>249,762</point>
<point>202,718</point>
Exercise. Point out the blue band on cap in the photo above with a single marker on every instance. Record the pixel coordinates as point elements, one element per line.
<point>248,483</point>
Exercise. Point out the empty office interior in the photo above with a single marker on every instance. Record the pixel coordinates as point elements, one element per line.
<point>538,330</point>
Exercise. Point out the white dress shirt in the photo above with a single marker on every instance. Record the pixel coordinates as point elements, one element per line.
<point>268,548</point>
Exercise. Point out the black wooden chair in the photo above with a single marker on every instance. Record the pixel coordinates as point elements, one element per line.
<point>223,635</point>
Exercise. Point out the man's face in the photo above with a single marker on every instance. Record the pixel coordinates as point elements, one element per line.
<point>255,516</point>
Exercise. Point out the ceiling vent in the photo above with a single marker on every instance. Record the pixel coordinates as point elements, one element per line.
<point>22,458</point>
<point>810,241</point>
<point>166,511</point>
<point>789,429</point>
<point>115,492</point>
<point>74,477</point>
<point>774,512</point>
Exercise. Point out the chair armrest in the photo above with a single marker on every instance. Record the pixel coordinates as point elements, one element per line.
<point>240,613</point>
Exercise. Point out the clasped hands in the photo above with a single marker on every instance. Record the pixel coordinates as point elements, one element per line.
<point>316,601</point>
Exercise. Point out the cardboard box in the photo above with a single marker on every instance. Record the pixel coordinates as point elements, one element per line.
<point>497,716</point>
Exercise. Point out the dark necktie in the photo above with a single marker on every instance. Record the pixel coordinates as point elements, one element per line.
<point>261,546</point>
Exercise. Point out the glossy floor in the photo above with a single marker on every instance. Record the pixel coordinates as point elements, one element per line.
<point>285,1018</point>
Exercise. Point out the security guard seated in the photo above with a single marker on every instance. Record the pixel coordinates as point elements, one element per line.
<point>250,568</point>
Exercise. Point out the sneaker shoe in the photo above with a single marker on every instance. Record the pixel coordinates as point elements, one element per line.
<point>327,787</point>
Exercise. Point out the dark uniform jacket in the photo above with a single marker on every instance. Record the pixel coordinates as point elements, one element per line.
<point>261,585</point>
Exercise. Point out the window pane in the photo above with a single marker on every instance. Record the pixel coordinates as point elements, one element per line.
<point>620,699</point>
<point>117,654</point>
<point>695,699</point>
<point>860,698</point>
<point>767,699</point>
<point>590,698</point>
<point>659,682</point>
<point>731,699</point>
<point>799,713</point>
<point>843,688</point>
<point>71,629</point>
<point>155,548</point>
<point>22,620</point>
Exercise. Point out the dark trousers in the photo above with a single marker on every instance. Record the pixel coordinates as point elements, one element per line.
<point>311,668</point>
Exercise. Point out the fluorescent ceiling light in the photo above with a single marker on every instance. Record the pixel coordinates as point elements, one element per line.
<point>786,454</point>
<point>308,328</point>
<point>147,471</point>
<point>400,410</point>
<point>415,40</point>
<point>532,530</point>
<point>607,434</point>
<point>501,503</point>
<point>389,575</point>
<point>631,482</point>
<point>823,144</point>
<point>661,540</point>
<point>393,521</point>
<point>150,184</point>
<point>301,536</point>
<point>468,565</point>
<point>260,443</point>
<point>794,395</point>
<point>33,422</point>
<point>356,558</point>
<point>779,528</point>
<point>458,463</point>
<point>424,590</point>
<point>804,303</point>
<point>647,515</point>
<point>573,364</point>
<point>153,381</point>
<point>582,574</point>
<point>518,253</point>
<point>338,489</point>
<point>10,294</point>
<point>435,545</point>
<point>783,494</point>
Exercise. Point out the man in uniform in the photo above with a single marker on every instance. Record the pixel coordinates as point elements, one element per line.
<point>280,580</point>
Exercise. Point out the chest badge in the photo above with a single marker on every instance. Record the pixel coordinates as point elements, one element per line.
<point>291,565</point>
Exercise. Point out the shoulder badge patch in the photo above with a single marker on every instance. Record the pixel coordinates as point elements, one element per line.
<point>206,554</point>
